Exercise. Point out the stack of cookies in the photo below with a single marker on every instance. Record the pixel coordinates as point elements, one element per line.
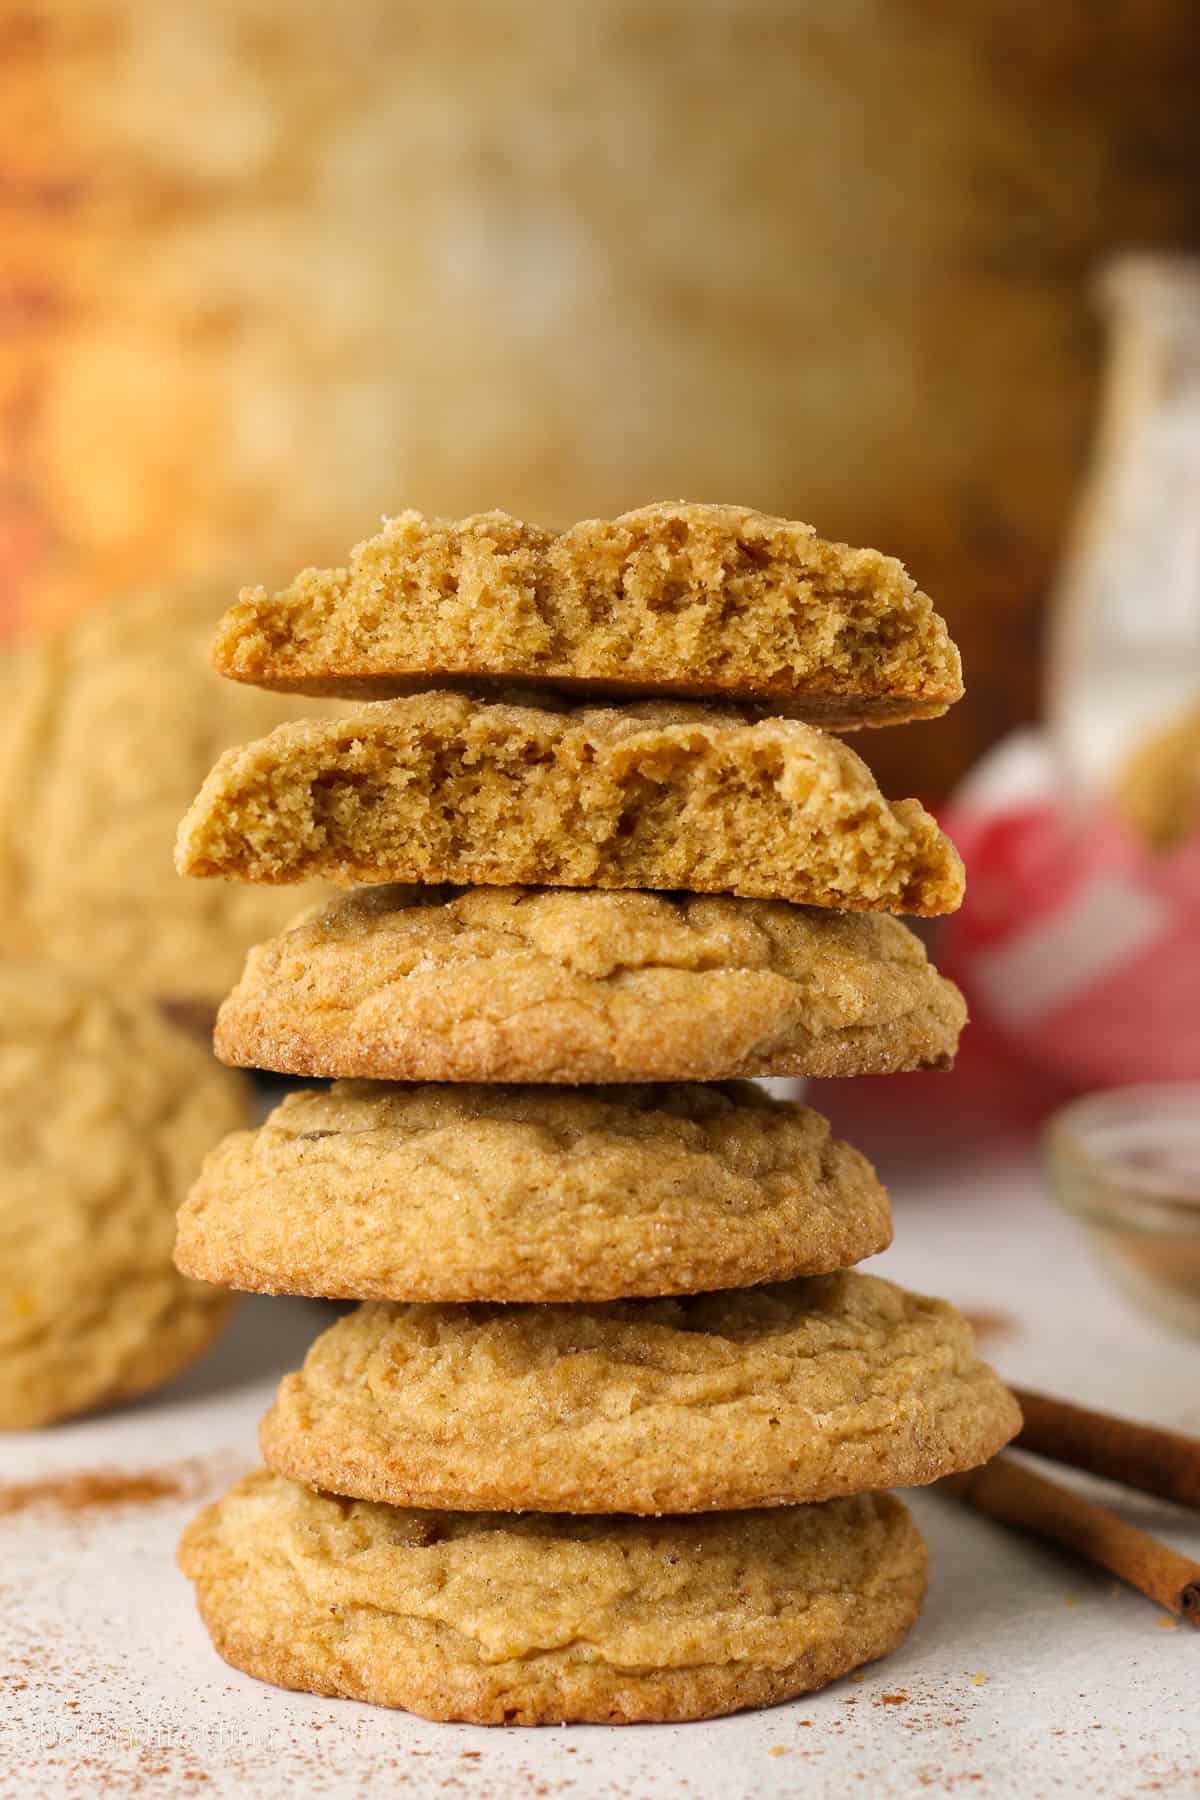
<point>607,1437</point>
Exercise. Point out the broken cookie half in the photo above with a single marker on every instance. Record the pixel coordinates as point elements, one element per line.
<point>444,788</point>
<point>677,599</point>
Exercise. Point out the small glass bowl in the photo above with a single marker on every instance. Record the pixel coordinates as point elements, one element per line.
<point>1127,1162</point>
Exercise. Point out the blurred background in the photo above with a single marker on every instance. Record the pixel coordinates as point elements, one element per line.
<point>271,270</point>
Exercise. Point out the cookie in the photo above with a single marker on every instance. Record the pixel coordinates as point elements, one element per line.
<point>684,599</point>
<point>512,984</point>
<point>444,788</point>
<point>371,1191</point>
<point>1157,789</point>
<point>105,1114</point>
<point>764,1396</point>
<point>106,731</point>
<point>537,1620</point>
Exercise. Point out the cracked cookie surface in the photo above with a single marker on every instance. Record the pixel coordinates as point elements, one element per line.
<point>497,1619</point>
<point>782,1394</point>
<point>445,788</point>
<point>372,1191</point>
<point>717,601</point>
<point>105,1114</point>
<point>521,985</point>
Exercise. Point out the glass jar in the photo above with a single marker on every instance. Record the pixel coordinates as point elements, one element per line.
<point>1125,626</point>
<point>1127,1162</point>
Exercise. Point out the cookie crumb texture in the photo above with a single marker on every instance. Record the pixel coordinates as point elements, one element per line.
<point>379,1192</point>
<point>713,600</point>
<point>776,1395</point>
<point>105,1114</point>
<point>444,788</point>
<point>517,985</point>
<point>497,1620</point>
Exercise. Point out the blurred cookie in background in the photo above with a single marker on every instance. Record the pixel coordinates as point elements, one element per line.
<point>107,729</point>
<point>1157,789</point>
<point>106,1112</point>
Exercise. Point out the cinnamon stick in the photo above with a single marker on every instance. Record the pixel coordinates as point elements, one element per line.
<point>1005,1489</point>
<point>1166,1463</point>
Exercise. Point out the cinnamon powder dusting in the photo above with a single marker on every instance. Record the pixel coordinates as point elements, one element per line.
<point>987,1322</point>
<point>93,1490</point>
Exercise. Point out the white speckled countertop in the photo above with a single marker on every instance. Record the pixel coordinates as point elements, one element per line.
<point>1028,1675</point>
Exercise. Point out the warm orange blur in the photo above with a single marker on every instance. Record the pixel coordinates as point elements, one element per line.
<point>273,269</point>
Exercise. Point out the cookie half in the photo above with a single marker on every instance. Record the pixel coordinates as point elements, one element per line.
<point>671,599</point>
<point>500,1620</point>
<point>765,1396</point>
<point>105,1114</point>
<point>373,1191</point>
<point>517,985</point>
<point>445,788</point>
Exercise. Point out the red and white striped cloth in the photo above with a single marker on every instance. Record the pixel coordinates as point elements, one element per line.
<point>1076,944</point>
